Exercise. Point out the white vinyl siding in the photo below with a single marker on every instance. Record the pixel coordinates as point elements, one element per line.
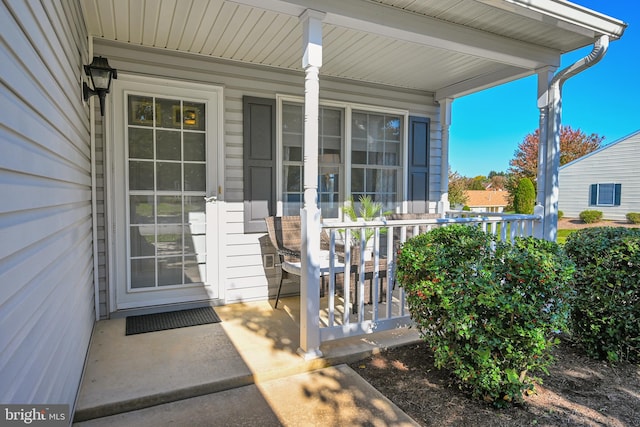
<point>242,274</point>
<point>616,163</point>
<point>46,265</point>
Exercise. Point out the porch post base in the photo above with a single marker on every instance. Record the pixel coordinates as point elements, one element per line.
<point>309,355</point>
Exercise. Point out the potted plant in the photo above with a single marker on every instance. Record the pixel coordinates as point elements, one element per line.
<point>367,210</point>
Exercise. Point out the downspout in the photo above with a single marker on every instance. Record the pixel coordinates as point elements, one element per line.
<point>549,144</point>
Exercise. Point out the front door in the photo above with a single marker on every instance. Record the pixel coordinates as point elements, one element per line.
<point>166,191</point>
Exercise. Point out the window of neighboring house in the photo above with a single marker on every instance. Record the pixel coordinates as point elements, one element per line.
<point>605,194</point>
<point>376,157</point>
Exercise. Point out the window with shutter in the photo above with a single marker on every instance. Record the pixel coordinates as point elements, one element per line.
<point>605,194</point>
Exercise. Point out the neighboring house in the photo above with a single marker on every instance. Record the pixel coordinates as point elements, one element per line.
<point>487,200</point>
<point>606,180</point>
<point>160,203</point>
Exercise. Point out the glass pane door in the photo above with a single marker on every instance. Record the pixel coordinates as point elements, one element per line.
<point>166,170</point>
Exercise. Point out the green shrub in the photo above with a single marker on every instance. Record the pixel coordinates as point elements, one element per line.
<point>560,214</point>
<point>487,309</point>
<point>605,317</point>
<point>525,197</point>
<point>466,208</point>
<point>634,217</point>
<point>590,217</point>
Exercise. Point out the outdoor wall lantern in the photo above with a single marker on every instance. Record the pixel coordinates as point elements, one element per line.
<point>100,74</point>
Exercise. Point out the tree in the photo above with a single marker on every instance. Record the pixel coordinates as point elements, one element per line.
<point>525,197</point>
<point>477,183</point>
<point>457,186</point>
<point>573,144</point>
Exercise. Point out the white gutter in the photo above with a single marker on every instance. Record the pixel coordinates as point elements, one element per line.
<point>549,144</point>
<point>565,13</point>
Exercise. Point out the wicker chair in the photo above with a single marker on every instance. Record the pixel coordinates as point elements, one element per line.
<point>285,235</point>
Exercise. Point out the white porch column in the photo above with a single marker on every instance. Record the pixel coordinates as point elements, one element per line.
<point>310,214</point>
<point>445,124</point>
<point>549,104</point>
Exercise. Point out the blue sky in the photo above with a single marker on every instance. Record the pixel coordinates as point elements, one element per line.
<point>605,99</point>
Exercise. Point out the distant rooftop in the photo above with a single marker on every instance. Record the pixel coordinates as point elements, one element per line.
<point>482,198</point>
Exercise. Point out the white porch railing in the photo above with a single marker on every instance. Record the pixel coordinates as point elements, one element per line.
<point>363,296</point>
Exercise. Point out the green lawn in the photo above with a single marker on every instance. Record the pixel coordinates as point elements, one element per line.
<point>563,234</point>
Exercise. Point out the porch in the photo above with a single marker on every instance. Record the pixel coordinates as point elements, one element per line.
<point>253,345</point>
<point>256,343</point>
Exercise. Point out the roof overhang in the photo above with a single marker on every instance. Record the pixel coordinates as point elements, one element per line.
<point>448,48</point>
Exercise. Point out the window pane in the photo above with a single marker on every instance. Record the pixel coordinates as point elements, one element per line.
<point>293,178</point>
<point>141,209</point>
<point>330,122</point>
<point>375,127</point>
<point>142,241</point>
<point>170,271</point>
<point>194,147</point>
<point>194,271</point>
<point>292,118</point>
<point>193,116</point>
<point>168,113</point>
<point>169,240</point>
<point>169,176</point>
<point>140,143</point>
<point>606,194</point>
<point>140,111</point>
<point>292,147</point>
<point>392,129</point>
<point>194,208</point>
<point>358,125</point>
<point>168,145</point>
<point>143,273</point>
<point>140,175</point>
<point>195,178</point>
<point>329,191</point>
<point>357,180</point>
<point>169,209</point>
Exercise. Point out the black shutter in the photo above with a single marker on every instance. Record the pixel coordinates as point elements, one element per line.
<point>418,191</point>
<point>618,194</point>
<point>593,201</point>
<point>259,137</point>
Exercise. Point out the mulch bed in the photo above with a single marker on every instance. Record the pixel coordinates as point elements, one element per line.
<point>577,392</point>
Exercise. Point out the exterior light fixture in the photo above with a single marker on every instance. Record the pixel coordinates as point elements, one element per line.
<point>100,74</point>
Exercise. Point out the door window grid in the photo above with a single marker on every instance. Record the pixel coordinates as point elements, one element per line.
<point>167,185</point>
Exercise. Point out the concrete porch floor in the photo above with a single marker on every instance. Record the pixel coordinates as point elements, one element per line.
<point>249,357</point>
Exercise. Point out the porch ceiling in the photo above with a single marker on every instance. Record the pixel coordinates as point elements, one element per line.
<point>446,47</point>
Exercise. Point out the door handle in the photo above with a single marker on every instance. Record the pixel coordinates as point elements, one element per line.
<point>210,199</point>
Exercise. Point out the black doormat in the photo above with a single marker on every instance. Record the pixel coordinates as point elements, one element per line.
<point>170,320</point>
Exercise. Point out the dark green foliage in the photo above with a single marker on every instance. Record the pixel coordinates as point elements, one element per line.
<point>525,197</point>
<point>560,214</point>
<point>487,309</point>
<point>590,217</point>
<point>466,208</point>
<point>606,312</point>
<point>634,217</point>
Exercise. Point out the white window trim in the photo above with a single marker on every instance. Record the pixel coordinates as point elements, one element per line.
<point>348,108</point>
<point>613,203</point>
